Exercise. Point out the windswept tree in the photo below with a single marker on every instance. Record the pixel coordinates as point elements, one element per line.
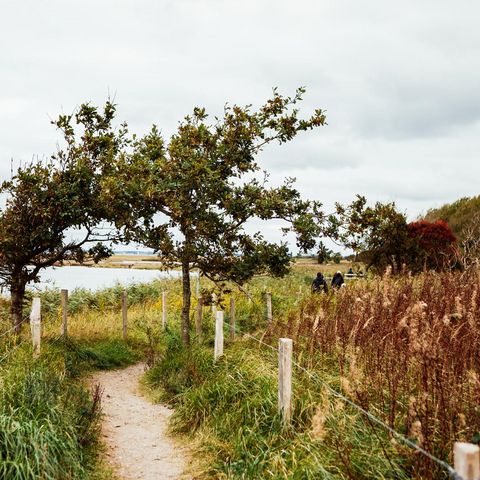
<point>54,209</point>
<point>191,197</point>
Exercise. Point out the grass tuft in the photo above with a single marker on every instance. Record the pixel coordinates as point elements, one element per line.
<point>48,424</point>
<point>231,405</point>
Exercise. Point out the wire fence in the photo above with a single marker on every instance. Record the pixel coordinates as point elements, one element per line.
<point>453,474</point>
<point>14,327</point>
<point>12,350</point>
<point>312,375</point>
<point>12,331</point>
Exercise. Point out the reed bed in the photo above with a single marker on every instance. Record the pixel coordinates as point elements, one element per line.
<point>407,349</point>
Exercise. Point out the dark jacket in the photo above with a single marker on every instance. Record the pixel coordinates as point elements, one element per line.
<point>319,284</point>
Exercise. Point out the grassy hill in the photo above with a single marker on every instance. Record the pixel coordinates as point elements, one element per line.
<point>456,214</point>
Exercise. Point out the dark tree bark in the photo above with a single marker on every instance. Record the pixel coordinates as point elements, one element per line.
<point>186,302</point>
<point>17,296</point>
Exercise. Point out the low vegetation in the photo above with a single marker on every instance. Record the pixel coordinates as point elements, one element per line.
<point>387,344</point>
<point>231,407</point>
<point>404,348</point>
<point>48,421</point>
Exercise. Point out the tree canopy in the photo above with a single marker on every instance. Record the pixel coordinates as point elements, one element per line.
<point>191,197</point>
<point>54,208</point>
<point>463,217</point>
<point>458,215</point>
<point>432,245</point>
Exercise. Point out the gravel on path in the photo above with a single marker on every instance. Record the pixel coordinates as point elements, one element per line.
<point>135,430</point>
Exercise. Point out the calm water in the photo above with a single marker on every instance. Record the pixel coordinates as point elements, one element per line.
<point>98,278</point>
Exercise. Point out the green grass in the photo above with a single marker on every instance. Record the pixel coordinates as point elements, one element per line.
<point>231,407</point>
<point>48,422</point>
<point>82,357</point>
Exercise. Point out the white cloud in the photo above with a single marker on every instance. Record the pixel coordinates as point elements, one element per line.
<point>399,82</point>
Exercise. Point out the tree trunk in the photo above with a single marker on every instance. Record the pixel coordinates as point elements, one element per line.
<point>186,302</point>
<point>17,294</point>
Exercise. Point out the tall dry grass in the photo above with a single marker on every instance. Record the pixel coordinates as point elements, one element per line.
<point>407,349</point>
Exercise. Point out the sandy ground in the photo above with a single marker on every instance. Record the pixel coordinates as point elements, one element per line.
<point>135,430</point>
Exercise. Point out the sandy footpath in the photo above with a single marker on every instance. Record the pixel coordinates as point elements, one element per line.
<point>135,430</point>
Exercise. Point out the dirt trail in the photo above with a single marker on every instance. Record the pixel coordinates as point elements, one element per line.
<point>134,430</point>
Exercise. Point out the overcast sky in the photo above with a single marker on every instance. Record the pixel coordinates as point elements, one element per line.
<point>399,80</point>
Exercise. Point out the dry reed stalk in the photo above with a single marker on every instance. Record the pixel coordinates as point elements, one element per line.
<point>412,337</point>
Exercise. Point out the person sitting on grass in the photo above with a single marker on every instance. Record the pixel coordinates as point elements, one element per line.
<point>319,284</point>
<point>337,280</point>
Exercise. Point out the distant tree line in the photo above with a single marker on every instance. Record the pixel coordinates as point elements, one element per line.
<point>463,216</point>
<point>458,215</point>
<point>382,238</point>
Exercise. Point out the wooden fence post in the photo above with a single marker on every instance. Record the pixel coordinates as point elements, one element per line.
<point>199,319</point>
<point>232,319</point>
<point>64,302</point>
<point>198,286</point>
<point>218,352</point>
<point>285,347</point>
<point>164,309</point>
<point>35,325</point>
<point>466,458</point>
<point>124,313</point>
<point>268,296</point>
<point>214,305</point>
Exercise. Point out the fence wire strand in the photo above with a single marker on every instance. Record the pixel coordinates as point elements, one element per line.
<point>451,471</point>
<point>13,349</point>
<point>6,332</point>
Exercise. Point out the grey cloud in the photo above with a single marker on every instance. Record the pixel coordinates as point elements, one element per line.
<point>399,82</point>
<point>416,107</point>
<point>314,149</point>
